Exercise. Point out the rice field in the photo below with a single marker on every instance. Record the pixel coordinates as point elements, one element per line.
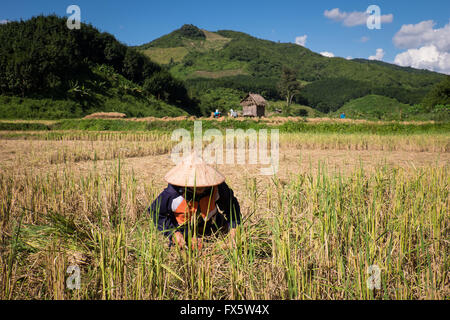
<point>339,205</point>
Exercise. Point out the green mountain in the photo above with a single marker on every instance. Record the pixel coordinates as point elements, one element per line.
<point>104,91</point>
<point>50,71</point>
<point>235,60</point>
<point>373,107</point>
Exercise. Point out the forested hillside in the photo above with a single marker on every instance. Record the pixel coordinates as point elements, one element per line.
<point>50,71</point>
<point>235,60</point>
<point>79,71</point>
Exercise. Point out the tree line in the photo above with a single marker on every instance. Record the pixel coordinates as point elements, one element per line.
<point>326,95</point>
<point>40,57</point>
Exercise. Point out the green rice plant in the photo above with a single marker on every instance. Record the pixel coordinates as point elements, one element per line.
<point>151,273</point>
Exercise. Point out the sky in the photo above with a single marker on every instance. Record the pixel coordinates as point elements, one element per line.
<point>411,33</point>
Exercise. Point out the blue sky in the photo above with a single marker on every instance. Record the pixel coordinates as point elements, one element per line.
<point>138,22</point>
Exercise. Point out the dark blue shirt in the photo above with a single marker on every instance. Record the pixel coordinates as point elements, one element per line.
<point>164,218</point>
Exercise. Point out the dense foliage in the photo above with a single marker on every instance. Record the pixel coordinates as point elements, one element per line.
<point>264,86</point>
<point>258,64</point>
<point>438,95</point>
<point>42,58</point>
<point>263,58</point>
<point>105,91</point>
<point>50,71</point>
<point>328,95</point>
<point>223,99</point>
<point>176,38</point>
<point>374,107</point>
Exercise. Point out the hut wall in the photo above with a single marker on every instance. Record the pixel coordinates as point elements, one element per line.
<point>260,111</point>
<point>249,111</point>
<point>253,111</point>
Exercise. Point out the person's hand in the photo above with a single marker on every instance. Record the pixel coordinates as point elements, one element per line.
<point>179,239</point>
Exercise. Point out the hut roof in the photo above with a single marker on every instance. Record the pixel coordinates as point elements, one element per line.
<point>258,99</point>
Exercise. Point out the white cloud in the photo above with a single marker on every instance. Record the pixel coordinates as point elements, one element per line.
<point>4,21</point>
<point>327,54</point>
<point>355,18</point>
<point>301,40</point>
<point>335,14</point>
<point>423,34</point>
<point>427,57</point>
<point>428,48</point>
<point>349,58</point>
<point>378,55</point>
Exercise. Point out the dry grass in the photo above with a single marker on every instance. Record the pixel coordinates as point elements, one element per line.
<point>336,207</point>
<point>106,115</point>
<point>270,120</point>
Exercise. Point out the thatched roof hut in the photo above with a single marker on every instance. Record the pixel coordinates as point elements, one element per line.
<point>253,105</point>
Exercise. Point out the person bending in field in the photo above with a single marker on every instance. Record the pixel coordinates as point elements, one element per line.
<point>188,208</point>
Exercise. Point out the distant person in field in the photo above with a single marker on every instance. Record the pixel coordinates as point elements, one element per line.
<point>342,116</point>
<point>217,114</point>
<point>189,205</point>
<point>233,113</point>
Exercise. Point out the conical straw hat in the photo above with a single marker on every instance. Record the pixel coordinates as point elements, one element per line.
<point>193,171</point>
